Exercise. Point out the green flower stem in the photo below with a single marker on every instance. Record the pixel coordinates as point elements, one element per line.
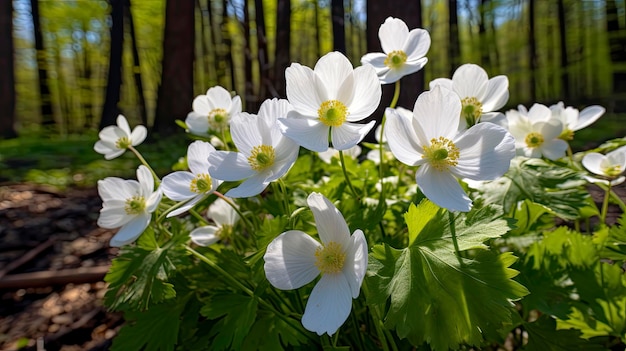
<point>173,207</point>
<point>345,174</point>
<point>605,204</point>
<point>145,163</point>
<point>240,286</point>
<point>198,216</point>
<point>377,322</point>
<point>381,166</point>
<point>454,240</point>
<point>355,323</point>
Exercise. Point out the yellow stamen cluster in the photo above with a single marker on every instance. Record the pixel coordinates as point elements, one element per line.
<point>225,232</point>
<point>534,140</point>
<point>612,171</point>
<point>395,59</point>
<point>330,258</point>
<point>567,135</point>
<point>262,157</point>
<point>123,143</point>
<point>217,118</point>
<point>472,110</point>
<point>332,113</point>
<point>441,153</point>
<point>135,205</point>
<point>201,183</point>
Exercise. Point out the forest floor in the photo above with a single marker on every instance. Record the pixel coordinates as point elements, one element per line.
<point>53,258</point>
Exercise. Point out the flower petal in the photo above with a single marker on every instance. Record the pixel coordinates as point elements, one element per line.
<point>222,213</point>
<point>588,116</point>
<point>470,80</point>
<point>218,97</point>
<point>146,181</point>
<point>244,130</point>
<point>252,186</point>
<point>442,188</point>
<point>229,166</point>
<point>367,94</point>
<point>497,93</point>
<point>393,34</point>
<point>593,163</point>
<point>131,230</point>
<point>376,60</point>
<point>394,75</point>
<point>356,262</point>
<point>186,206</point>
<point>290,260</point>
<point>308,133</point>
<point>331,226</point>
<point>200,105</point>
<point>197,123</point>
<point>401,137</point>
<point>176,185</point>
<point>437,113</point>
<point>444,82</point>
<point>333,69</point>
<point>301,89</point>
<point>123,124</point>
<point>329,305</point>
<point>417,44</point>
<point>349,134</point>
<point>198,156</point>
<point>205,236</point>
<point>554,149</point>
<point>138,135</point>
<point>113,216</point>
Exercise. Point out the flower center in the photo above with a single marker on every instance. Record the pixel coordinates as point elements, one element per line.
<point>123,143</point>
<point>395,59</point>
<point>472,110</point>
<point>135,205</point>
<point>534,140</point>
<point>612,171</point>
<point>217,118</point>
<point>225,232</point>
<point>330,258</point>
<point>441,153</point>
<point>262,157</point>
<point>332,113</point>
<point>201,183</point>
<point>567,135</point>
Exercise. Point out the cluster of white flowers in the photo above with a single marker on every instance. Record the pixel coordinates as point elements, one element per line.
<point>453,132</point>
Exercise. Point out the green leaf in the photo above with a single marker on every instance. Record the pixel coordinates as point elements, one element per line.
<point>431,287</point>
<point>567,248</point>
<point>543,335</point>
<point>558,188</point>
<point>237,313</point>
<point>154,329</point>
<point>270,333</point>
<point>612,241</point>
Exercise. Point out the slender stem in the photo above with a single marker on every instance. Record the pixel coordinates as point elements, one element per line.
<point>175,206</point>
<point>251,293</point>
<point>605,204</point>
<point>454,240</point>
<point>381,164</point>
<point>144,162</point>
<point>377,321</point>
<point>355,323</point>
<point>396,95</point>
<point>345,174</point>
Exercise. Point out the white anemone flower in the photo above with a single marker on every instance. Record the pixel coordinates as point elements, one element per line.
<point>573,120</point>
<point>264,153</point>
<point>331,153</point>
<point>536,132</point>
<point>294,259</point>
<point>430,138</point>
<point>224,216</point>
<point>212,112</point>
<point>191,186</point>
<point>114,140</point>
<point>374,154</point>
<point>128,204</point>
<point>480,96</point>
<point>403,51</point>
<point>328,100</point>
<point>610,166</point>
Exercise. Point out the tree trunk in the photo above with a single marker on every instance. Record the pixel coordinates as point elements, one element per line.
<point>532,50</point>
<point>227,44</point>
<point>85,86</point>
<point>250,99</point>
<point>339,29</point>
<point>617,46</point>
<point>282,58</point>
<point>110,109</point>
<point>261,38</point>
<point>47,116</point>
<point>454,46</point>
<point>176,89</point>
<point>7,78</point>
<point>482,34</point>
<point>136,65</point>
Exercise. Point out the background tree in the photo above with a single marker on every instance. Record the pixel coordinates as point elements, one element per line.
<point>617,46</point>
<point>532,50</point>
<point>339,30</point>
<point>111,108</point>
<point>454,45</point>
<point>176,89</point>
<point>45,98</point>
<point>282,58</point>
<point>7,78</point>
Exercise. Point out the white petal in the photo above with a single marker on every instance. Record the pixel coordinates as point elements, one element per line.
<point>539,113</point>
<point>329,305</point>
<point>123,124</point>
<point>245,132</point>
<point>549,129</point>
<point>186,206</point>
<point>437,113</point>
<point>197,123</point>
<point>417,44</point>
<point>376,60</point>
<point>200,105</point>
<point>250,187</point>
<point>113,154</point>
<point>408,68</point>
<point>301,90</point>
<point>401,137</point>
<point>393,34</point>
<point>116,188</point>
<point>349,134</point>
<point>470,80</point>
<point>554,149</point>
<point>229,166</point>
<point>593,163</point>
<point>367,94</point>
<point>218,97</point>
<point>333,69</point>
<point>235,106</point>
<point>486,151</point>
<point>356,262</point>
<point>138,135</point>
<point>272,109</point>
<point>222,213</point>
<point>112,134</point>
<point>103,147</point>
<point>444,82</point>
<point>290,260</point>
<point>497,93</point>
<point>113,216</point>
<point>331,226</point>
<point>306,132</point>
<point>176,186</point>
<point>442,188</point>
<point>146,181</point>
<point>588,116</point>
<point>131,231</point>
<point>204,236</point>
<point>198,156</point>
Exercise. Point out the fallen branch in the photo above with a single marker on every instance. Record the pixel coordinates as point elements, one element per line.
<point>49,278</point>
<point>28,256</point>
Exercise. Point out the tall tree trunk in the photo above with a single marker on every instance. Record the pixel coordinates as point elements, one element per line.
<point>318,40</point>
<point>282,47</point>
<point>617,46</point>
<point>261,37</point>
<point>532,50</point>
<point>110,109</point>
<point>85,86</point>
<point>454,46</point>
<point>339,29</point>
<point>227,44</point>
<point>482,33</point>
<point>47,115</point>
<point>251,101</point>
<point>565,88</point>
<point>7,78</point>
<point>136,66</point>
<point>176,89</point>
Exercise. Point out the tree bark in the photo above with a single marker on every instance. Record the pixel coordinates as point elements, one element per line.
<point>47,115</point>
<point>261,37</point>
<point>283,45</point>
<point>339,28</point>
<point>110,109</point>
<point>617,46</point>
<point>175,92</point>
<point>532,50</point>
<point>7,78</point>
<point>454,46</point>
<point>136,65</point>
